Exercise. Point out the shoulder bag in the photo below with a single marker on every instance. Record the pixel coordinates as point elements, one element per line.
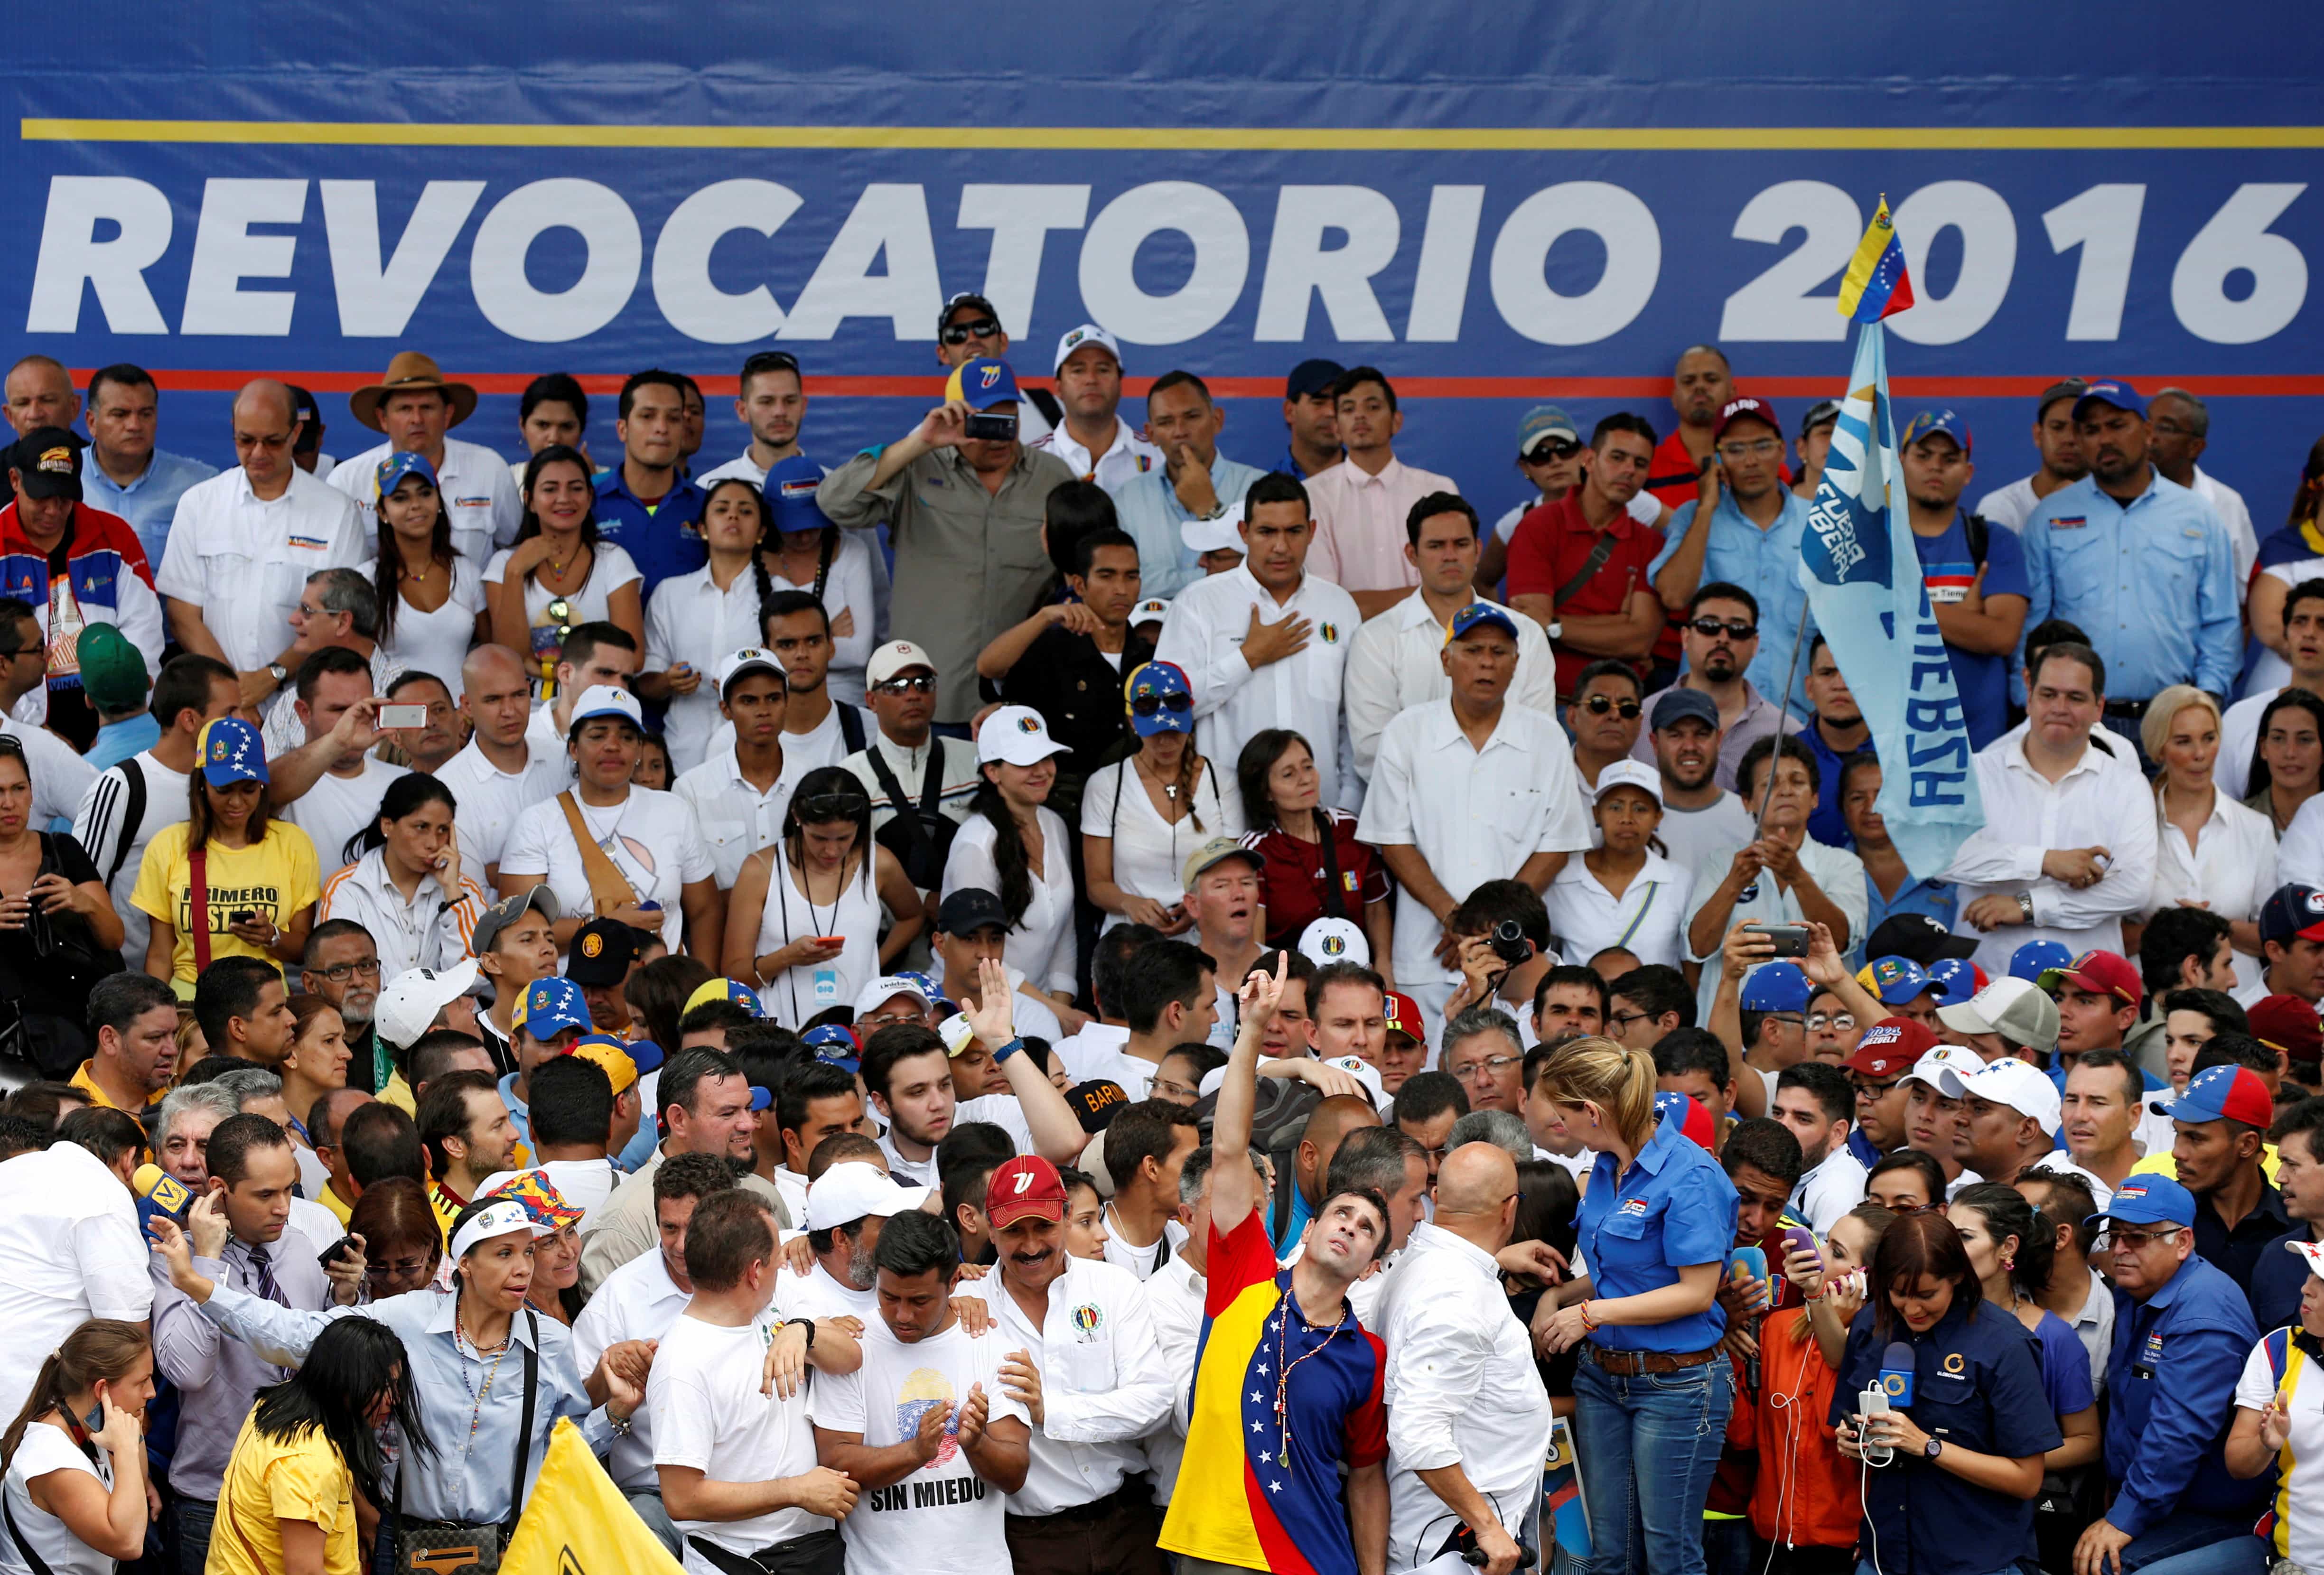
<point>609,889</point>
<point>919,834</point>
<point>442,1547</point>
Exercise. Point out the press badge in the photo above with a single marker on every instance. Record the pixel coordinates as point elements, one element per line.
<point>826,987</point>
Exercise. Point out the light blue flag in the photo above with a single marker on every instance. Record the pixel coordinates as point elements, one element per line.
<point>1863,581</point>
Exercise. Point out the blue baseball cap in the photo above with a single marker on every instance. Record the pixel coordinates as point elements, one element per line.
<point>2109,391</point>
<point>1545,421</point>
<point>1477,614</point>
<point>2223,1093</point>
<point>2035,958</point>
<point>1776,987</point>
<point>549,1006</point>
<point>2146,1198</point>
<point>1159,683</point>
<point>231,751</point>
<point>400,463</point>
<point>834,1046</point>
<point>1956,978</point>
<point>983,384</point>
<point>1897,980</point>
<point>1928,422</point>
<point>790,494</point>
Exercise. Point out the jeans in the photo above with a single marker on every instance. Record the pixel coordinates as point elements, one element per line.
<point>190,1523</point>
<point>1727,1547</point>
<point>1647,1447</point>
<point>2198,1545</point>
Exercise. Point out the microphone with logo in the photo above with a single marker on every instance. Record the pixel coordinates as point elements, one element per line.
<point>159,1193</point>
<point>1891,1390</point>
<point>1753,1261</point>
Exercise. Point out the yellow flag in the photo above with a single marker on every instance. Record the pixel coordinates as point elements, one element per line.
<point>578,1523</point>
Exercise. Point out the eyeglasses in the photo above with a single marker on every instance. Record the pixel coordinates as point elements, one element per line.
<point>825,806</point>
<point>1624,1020</point>
<point>1732,628</point>
<point>1167,1088</point>
<point>1765,446</point>
<point>1783,1017</point>
<point>340,972</point>
<point>961,333</point>
<point>1598,705</point>
<point>1556,448</point>
<point>25,650</point>
<point>1152,705</point>
<point>924,684</point>
<point>1491,1066</point>
<point>2135,1240</point>
<point>1842,1021</point>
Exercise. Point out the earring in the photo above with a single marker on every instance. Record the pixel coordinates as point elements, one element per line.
<point>2007,1264</point>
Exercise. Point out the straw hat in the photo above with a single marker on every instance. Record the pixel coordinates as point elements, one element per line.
<point>410,370</point>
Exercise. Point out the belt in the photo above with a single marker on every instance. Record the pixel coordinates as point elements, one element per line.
<point>2130,708</point>
<point>1629,1364</point>
<point>1096,1509</point>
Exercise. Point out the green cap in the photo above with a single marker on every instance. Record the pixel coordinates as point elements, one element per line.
<point>112,670</point>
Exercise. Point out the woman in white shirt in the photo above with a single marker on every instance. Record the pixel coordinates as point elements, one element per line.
<point>1013,846</point>
<point>1134,844</point>
<point>803,920</point>
<point>2210,851</point>
<point>698,619</point>
<point>76,1496</point>
<point>432,599</point>
<point>806,552</point>
<point>1623,892</point>
<point>645,861</point>
<point>407,888</point>
<point>559,574</point>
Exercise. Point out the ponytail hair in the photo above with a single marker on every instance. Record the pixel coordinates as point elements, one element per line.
<point>1008,854</point>
<point>103,1348</point>
<point>1618,1081</point>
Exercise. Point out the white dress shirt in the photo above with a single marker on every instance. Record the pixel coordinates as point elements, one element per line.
<point>852,586</point>
<point>490,799</point>
<point>2229,505</point>
<point>2028,816</point>
<point>691,620</point>
<point>1204,634</point>
<point>480,495</point>
<point>1474,814</point>
<point>70,1240</point>
<point>1104,1385</point>
<point>244,562</point>
<point>737,819</point>
<point>1128,455</point>
<point>1649,918</point>
<point>2231,868</point>
<point>638,1300</point>
<point>1394,665</point>
<point>2301,856</point>
<point>430,931</point>
<point>2239,735</point>
<point>1041,942</point>
<point>1461,1389</point>
<point>1173,1306</point>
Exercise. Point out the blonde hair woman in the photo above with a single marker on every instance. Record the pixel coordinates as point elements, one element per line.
<point>1652,1393</point>
<point>2210,851</point>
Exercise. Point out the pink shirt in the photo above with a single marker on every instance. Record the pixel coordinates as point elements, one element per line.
<point>1359,534</point>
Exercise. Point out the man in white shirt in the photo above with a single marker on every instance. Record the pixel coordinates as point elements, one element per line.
<point>593,655</point>
<point>2100,1114</point>
<point>127,804</point>
<point>1815,1100</point>
<point>1392,664</point>
<point>1169,997</point>
<point>2010,1115</point>
<point>907,762</point>
<point>847,1206</point>
<point>816,1101</point>
<point>907,1070</point>
<point>414,406</point>
<point>345,798</point>
<point>499,775</point>
<point>740,793</point>
<point>1083,1364</point>
<point>1095,443</point>
<point>1464,791</point>
<point>2063,464</point>
<point>1700,819</point>
<point>2067,849</point>
<point>1468,1418</point>
<point>2182,428</point>
<point>69,1248</point>
<point>1266,645</point>
<point>242,543</point>
<point>737,1468</point>
<point>1361,505</point>
<point>770,399</point>
<point>1145,1145</point>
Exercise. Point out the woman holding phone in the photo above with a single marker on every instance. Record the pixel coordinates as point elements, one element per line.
<point>405,886</point>
<point>75,1490</point>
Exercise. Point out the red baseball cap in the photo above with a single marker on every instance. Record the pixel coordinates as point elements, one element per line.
<point>1890,1046</point>
<point>2289,1024</point>
<point>2100,973</point>
<point>1026,1185</point>
<point>1403,1016</point>
<point>2230,1093</point>
<point>1741,408</point>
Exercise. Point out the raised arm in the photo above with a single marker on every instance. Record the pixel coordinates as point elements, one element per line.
<point>1057,1132</point>
<point>1234,1190</point>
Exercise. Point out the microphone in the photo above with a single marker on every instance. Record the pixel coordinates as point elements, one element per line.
<point>159,1193</point>
<point>1753,1261</point>
<point>1896,1373</point>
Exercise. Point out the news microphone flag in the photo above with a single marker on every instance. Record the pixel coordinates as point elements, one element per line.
<point>1862,575</point>
<point>1896,1367</point>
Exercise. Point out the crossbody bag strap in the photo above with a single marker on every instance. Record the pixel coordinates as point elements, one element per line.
<point>607,886</point>
<point>32,1561</point>
<point>913,827</point>
<point>197,900</point>
<point>1335,901</point>
<point>1640,916</point>
<point>524,1429</point>
<point>1588,569</point>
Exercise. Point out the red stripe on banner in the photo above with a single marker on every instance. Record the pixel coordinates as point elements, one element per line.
<point>2293,385</point>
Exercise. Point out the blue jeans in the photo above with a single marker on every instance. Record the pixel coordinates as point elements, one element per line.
<point>190,1523</point>
<point>1647,1447</point>
<point>2198,1545</point>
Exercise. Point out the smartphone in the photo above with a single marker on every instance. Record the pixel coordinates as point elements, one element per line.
<point>990,428</point>
<point>392,716</point>
<point>1791,940</point>
<point>345,1247</point>
<point>831,942</point>
<point>1800,1239</point>
<point>243,916</point>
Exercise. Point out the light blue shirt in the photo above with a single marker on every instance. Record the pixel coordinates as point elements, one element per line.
<point>117,741</point>
<point>1766,563</point>
<point>151,502</point>
<point>467,1479</point>
<point>2152,584</point>
<point>1149,510</point>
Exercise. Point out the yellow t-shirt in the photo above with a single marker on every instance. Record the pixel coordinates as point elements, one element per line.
<point>2164,1164</point>
<point>269,1481</point>
<point>277,877</point>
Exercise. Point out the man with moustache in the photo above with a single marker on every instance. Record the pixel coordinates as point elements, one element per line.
<point>1722,638</point>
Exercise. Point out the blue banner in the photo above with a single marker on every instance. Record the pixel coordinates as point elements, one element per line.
<point>1865,592</point>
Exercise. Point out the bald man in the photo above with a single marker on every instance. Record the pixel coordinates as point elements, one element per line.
<point>1468,1419</point>
<point>40,394</point>
<point>243,542</point>
<point>1299,1185</point>
<point>498,776</point>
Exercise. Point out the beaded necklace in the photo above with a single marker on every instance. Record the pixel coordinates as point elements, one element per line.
<point>464,1348</point>
<point>1285,1311</point>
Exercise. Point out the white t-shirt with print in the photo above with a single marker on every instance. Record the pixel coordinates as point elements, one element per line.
<point>2253,1390</point>
<point>709,1414</point>
<point>651,836</point>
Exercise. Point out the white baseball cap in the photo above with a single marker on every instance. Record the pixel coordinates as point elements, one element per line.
<point>855,1189</point>
<point>1957,1060</point>
<point>1628,773</point>
<point>751,658</point>
<point>1335,940</point>
<point>1152,609</point>
<point>2019,1084</point>
<point>885,989</point>
<point>606,700</point>
<point>1087,334</point>
<point>1015,735</point>
<point>1224,534</point>
<point>895,657</point>
<point>1365,1073</point>
<point>408,1003</point>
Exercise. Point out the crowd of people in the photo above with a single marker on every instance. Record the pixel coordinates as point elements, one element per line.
<point>895,996</point>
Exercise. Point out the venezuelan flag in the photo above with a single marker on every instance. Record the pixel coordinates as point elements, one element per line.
<point>1875,285</point>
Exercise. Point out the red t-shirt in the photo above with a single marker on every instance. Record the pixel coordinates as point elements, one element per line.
<point>1291,878</point>
<point>1550,546</point>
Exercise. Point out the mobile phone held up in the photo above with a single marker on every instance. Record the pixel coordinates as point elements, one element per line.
<point>395,716</point>
<point>990,428</point>
<point>1791,940</point>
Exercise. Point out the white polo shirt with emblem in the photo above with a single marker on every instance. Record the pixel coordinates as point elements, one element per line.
<point>244,561</point>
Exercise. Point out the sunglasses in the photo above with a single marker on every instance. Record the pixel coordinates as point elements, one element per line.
<point>1152,705</point>
<point>924,684</point>
<point>961,333</point>
<point>829,807</point>
<point>1556,448</point>
<point>1598,705</point>
<point>1732,628</point>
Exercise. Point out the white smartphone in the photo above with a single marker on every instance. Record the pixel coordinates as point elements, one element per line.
<point>392,716</point>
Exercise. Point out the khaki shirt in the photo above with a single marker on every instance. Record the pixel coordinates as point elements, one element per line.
<point>969,563</point>
<point>623,1226</point>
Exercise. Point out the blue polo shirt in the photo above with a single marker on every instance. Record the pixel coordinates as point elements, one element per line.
<point>1766,563</point>
<point>1674,1208</point>
<point>1977,1384</point>
<point>150,504</point>
<point>665,540</point>
<point>1937,899</point>
<point>2171,1393</point>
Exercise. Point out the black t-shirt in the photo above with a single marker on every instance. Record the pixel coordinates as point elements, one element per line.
<point>31,971</point>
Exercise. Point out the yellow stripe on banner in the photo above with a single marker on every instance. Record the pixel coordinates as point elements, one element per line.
<point>1200,138</point>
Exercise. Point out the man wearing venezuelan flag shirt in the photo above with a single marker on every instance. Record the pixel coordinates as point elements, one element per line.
<point>1288,1387</point>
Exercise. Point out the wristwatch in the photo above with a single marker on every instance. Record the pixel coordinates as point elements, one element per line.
<point>279,673</point>
<point>1931,1450</point>
<point>805,1323</point>
<point>2025,905</point>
